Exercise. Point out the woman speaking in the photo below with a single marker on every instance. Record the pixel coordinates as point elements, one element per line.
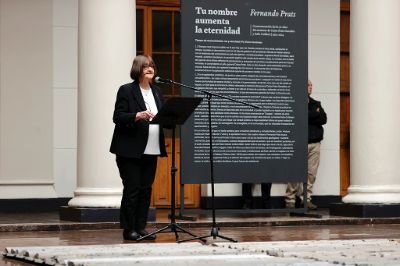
<point>137,144</point>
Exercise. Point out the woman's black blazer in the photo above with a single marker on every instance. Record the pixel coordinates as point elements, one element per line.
<point>130,137</point>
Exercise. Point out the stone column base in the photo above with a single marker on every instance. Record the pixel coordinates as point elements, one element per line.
<point>373,194</point>
<point>96,198</point>
<point>365,210</point>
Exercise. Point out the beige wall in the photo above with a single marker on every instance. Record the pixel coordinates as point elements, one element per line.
<point>38,103</point>
<point>26,111</point>
<point>324,71</point>
<point>38,98</point>
<point>65,95</point>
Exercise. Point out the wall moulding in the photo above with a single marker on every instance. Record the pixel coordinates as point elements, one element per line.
<point>27,191</point>
<point>22,182</point>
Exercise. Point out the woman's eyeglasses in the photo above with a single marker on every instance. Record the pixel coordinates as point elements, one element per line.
<point>149,65</point>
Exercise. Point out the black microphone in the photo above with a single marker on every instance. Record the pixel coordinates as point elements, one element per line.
<point>161,80</point>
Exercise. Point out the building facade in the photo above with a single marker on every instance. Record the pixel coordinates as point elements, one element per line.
<point>61,62</point>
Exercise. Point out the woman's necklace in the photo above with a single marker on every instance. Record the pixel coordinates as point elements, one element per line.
<point>146,92</point>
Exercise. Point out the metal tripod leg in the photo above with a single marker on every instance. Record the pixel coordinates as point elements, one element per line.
<point>172,225</point>
<point>173,228</point>
<point>214,230</point>
<point>214,234</point>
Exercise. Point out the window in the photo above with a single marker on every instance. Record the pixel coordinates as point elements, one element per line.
<point>158,35</point>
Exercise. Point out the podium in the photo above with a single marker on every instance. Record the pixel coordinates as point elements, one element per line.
<point>175,111</point>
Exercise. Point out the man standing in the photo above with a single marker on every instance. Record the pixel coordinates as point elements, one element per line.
<point>316,118</point>
<point>248,196</point>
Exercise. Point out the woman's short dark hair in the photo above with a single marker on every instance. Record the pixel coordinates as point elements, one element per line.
<point>139,63</point>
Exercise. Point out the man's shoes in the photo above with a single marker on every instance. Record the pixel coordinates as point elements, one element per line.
<point>267,205</point>
<point>290,205</point>
<point>144,233</point>
<point>247,205</point>
<point>311,206</point>
<point>130,235</point>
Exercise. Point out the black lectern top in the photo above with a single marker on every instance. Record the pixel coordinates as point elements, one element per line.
<point>175,111</point>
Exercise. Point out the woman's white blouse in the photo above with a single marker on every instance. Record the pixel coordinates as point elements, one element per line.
<point>153,142</point>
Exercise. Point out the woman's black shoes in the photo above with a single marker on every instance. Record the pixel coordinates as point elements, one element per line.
<point>144,233</point>
<point>133,235</point>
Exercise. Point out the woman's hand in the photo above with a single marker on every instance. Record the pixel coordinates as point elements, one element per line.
<point>144,115</point>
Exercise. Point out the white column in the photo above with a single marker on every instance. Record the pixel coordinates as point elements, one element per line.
<point>375,106</point>
<point>106,51</point>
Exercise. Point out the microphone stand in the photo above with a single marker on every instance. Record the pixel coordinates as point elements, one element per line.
<point>214,230</point>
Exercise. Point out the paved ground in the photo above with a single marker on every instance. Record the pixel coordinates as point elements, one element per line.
<point>267,238</point>
<point>311,252</point>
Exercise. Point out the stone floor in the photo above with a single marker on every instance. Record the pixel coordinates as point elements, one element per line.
<point>45,229</point>
<point>315,252</point>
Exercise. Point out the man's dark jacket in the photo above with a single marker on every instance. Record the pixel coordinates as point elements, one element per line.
<point>316,118</point>
<point>130,137</point>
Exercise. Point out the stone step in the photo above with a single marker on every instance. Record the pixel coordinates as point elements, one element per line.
<point>315,252</point>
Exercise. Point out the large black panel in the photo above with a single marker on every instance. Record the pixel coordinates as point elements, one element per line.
<point>254,51</point>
